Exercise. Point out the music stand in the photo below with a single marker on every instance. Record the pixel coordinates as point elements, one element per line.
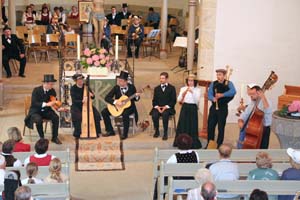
<point>180,42</point>
<point>151,40</point>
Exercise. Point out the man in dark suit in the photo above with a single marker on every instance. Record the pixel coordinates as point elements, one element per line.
<point>123,88</point>
<point>163,103</point>
<point>124,14</point>
<point>12,48</point>
<point>113,17</point>
<point>41,108</point>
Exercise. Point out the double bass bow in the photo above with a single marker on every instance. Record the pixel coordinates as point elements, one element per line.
<point>253,126</point>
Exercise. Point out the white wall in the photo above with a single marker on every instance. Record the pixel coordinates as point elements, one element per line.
<point>255,37</point>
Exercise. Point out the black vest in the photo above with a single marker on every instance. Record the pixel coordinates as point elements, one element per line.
<point>221,88</point>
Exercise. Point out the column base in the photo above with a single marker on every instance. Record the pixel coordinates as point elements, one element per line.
<point>163,54</point>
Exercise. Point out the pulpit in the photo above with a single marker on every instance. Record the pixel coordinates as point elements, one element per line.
<point>204,83</point>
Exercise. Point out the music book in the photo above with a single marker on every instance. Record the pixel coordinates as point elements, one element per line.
<point>180,42</point>
<point>153,33</point>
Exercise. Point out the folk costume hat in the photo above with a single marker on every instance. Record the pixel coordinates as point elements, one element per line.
<point>49,78</point>
<point>75,77</point>
<point>294,154</point>
<point>123,75</point>
<point>252,85</point>
<point>221,71</point>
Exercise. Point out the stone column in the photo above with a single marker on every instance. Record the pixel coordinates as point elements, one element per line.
<point>163,28</point>
<point>12,15</point>
<point>191,35</point>
<point>1,83</point>
<point>207,19</point>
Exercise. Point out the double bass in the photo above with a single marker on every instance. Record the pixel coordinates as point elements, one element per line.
<point>253,126</point>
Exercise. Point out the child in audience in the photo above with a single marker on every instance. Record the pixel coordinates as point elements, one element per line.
<point>7,150</point>
<point>68,30</point>
<point>55,172</point>
<point>15,134</point>
<point>41,158</point>
<point>31,171</point>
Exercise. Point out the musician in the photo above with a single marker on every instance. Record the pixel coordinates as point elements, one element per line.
<point>105,41</point>
<point>123,88</point>
<point>124,14</point>
<point>135,37</point>
<point>41,108</point>
<point>76,109</point>
<point>189,97</point>
<point>220,93</point>
<point>113,17</point>
<point>12,48</point>
<point>163,102</point>
<point>256,94</point>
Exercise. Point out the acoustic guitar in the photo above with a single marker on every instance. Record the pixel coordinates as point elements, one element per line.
<point>115,110</point>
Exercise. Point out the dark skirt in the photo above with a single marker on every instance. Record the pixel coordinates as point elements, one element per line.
<point>188,124</point>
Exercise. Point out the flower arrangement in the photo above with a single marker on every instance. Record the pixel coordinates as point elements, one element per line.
<point>95,57</point>
<point>290,110</point>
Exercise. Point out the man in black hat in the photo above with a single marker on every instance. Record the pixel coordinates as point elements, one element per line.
<point>76,108</point>
<point>124,14</point>
<point>12,48</point>
<point>122,88</point>
<point>135,37</point>
<point>220,93</point>
<point>41,108</point>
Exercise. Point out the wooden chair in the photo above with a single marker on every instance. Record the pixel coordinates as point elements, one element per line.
<point>39,29</point>
<point>117,30</point>
<point>35,45</point>
<point>52,43</point>
<point>118,121</point>
<point>70,44</point>
<point>27,103</point>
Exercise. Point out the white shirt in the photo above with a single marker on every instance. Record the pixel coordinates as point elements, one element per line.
<point>27,160</point>
<point>195,194</point>
<point>36,181</point>
<point>190,97</point>
<point>17,163</point>
<point>173,159</point>
<point>2,174</point>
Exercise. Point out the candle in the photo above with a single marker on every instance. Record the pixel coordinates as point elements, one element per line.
<point>117,48</point>
<point>242,90</point>
<point>78,47</point>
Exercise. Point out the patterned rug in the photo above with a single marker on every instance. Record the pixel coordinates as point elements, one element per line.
<point>104,153</point>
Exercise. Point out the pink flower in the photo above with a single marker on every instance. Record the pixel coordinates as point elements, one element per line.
<point>294,107</point>
<point>103,62</point>
<point>107,58</point>
<point>97,63</point>
<point>87,52</point>
<point>95,57</point>
<point>108,64</point>
<point>89,61</point>
<point>103,51</point>
<point>101,56</point>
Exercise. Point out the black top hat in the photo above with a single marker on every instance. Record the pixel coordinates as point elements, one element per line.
<point>124,5</point>
<point>75,77</point>
<point>49,78</point>
<point>123,75</point>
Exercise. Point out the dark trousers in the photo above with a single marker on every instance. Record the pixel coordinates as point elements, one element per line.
<point>5,62</point>
<point>125,117</point>
<point>265,137</point>
<point>165,118</point>
<point>37,118</point>
<point>217,117</point>
<point>77,123</point>
<point>137,44</point>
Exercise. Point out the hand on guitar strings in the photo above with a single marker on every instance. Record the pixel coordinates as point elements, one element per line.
<point>119,103</point>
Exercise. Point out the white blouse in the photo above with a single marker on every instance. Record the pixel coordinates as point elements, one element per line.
<point>190,97</point>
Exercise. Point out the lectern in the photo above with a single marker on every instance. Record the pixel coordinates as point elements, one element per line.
<point>204,83</point>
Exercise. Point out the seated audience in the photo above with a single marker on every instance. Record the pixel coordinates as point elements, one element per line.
<point>225,169</point>
<point>74,14</point>
<point>55,172</point>
<point>153,18</point>
<point>52,28</point>
<point>41,158</point>
<point>60,15</point>
<point>258,194</point>
<point>7,150</point>
<point>11,183</point>
<point>23,193</point>
<point>68,30</point>
<point>2,169</point>
<point>208,191</point>
<point>113,17</point>
<point>46,16</point>
<point>15,135</point>
<point>203,175</point>
<point>105,41</point>
<point>28,18</point>
<point>31,171</point>
<point>292,173</point>
<point>264,170</point>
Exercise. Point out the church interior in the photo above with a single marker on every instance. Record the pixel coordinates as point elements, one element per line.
<point>248,39</point>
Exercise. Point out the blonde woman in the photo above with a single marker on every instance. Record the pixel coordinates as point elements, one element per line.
<point>55,172</point>
<point>31,171</point>
<point>15,134</point>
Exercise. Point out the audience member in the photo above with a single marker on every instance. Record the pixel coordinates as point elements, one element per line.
<point>32,6</point>
<point>12,48</point>
<point>74,14</point>
<point>46,16</point>
<point>55,175</point>
<point>15,135</point>
<point>11,183</point>
<point>31,171</point>
<point>225,169</point>
<point>2,169</point>
<point>113,17</point>
<point>41,158</point>
<point>203,175</point>
<point>68,30</point>
<point>209,191</point>
<point>258,194</point>
<point>124,14</point>
<point>292,173</point>
<point>28,18</point>
<point>264,170</point>
<point>52,28</point>
<point>23,193</point>
<point>105,41</point>
<point>7,150</point>
<point>59,15</point>
<point>153,18</point>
